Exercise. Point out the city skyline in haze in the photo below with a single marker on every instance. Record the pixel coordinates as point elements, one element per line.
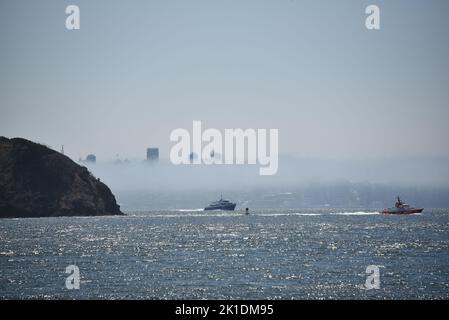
<point>136,71</point>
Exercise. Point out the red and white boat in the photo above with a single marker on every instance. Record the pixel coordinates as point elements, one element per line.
<point>402,208</point>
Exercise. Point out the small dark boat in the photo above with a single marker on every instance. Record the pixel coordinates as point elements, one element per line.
<point>402,208</point>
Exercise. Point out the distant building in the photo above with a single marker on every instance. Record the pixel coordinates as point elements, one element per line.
<point>91,158</point>
<point>120,161</point>
<point>153,155</point>
<point>193,157</point>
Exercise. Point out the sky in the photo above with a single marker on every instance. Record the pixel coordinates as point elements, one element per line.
<point>136,70</point>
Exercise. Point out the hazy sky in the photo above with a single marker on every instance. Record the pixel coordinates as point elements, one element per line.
<point>138,69</point>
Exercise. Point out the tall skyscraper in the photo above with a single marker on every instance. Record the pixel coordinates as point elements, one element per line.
<point>153,155</point>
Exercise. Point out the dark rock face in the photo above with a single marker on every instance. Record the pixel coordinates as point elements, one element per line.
<point>36,181</point>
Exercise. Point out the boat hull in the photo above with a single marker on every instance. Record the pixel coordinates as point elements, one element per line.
<point>405,211</point>
<point>230,207</point>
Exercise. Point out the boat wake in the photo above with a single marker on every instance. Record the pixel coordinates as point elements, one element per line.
<point>287,214</point>
<point>358,213</point>
<point>191,210</point>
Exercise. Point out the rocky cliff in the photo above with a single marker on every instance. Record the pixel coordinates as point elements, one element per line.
<point>36,181</point>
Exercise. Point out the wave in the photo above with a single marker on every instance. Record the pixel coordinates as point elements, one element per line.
<point>190,210</point>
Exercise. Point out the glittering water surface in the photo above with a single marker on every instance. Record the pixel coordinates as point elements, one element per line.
<point>288,254</point>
